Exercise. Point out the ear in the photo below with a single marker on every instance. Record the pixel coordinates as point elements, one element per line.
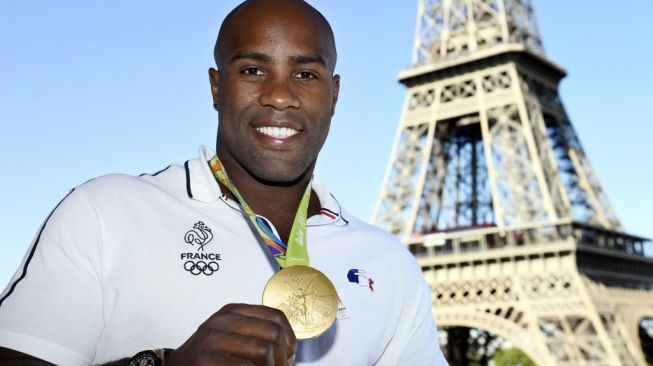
<point>336,91</point>
<point>214,79</point>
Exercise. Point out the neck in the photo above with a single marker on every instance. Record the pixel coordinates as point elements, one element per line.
<point>276,202</point>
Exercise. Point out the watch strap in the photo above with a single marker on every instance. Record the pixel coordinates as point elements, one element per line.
<point>145,358</point>
<point>154,357</point>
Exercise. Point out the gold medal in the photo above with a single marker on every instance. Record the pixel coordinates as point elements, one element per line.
<point>306,296</point>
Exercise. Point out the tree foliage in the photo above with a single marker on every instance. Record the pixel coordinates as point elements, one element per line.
<point>511,357</point>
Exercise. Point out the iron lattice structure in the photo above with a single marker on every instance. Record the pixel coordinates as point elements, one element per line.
<point>489,187</point>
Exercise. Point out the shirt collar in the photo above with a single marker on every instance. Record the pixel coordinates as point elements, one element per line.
<point>202,186</point>
<point>200,183</point>
<point>330,210</point>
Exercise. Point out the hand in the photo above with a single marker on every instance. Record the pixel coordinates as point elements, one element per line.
<point>239,334</point>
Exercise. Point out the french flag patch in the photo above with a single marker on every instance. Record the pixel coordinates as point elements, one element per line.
<point>359,276</point>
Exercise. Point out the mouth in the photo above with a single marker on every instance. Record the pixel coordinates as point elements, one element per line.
<point>277,132</point>
<point>277,138</point>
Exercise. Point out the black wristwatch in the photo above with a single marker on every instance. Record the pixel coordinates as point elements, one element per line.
<point>145,358</point>
<point>150,358</point>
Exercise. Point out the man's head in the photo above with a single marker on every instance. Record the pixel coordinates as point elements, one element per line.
<point>274,88</point>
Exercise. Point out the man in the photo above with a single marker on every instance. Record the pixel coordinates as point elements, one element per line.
<point>125,267</point>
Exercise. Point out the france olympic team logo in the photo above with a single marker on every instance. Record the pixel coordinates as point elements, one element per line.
<point>200,234</point>
<point>201,267</point>
<point>359,276</point>
<point>200,262</point>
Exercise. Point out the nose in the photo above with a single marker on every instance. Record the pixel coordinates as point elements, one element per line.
<point>280,94</point>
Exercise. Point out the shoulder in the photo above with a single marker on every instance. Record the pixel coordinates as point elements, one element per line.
<point>375,233</point>
<point>191,179</point>
<point>378,244</point>
<point>169,180</point>
<point>359,239</point>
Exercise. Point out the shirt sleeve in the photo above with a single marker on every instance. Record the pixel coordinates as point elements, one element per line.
<point>415,340</point>
<point>52,307</point>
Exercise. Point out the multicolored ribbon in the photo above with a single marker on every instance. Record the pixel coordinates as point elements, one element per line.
<point>296,252</point>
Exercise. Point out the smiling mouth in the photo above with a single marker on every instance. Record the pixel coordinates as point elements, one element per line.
<point>277,132</point>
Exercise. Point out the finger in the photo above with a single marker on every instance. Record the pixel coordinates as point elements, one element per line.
<point>268,313</point>
<point>259,351</point>
<point>263,329</point>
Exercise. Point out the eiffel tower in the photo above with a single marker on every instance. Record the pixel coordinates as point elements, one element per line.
<point>489,187</point>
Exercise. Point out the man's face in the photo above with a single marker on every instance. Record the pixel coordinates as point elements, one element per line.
<point>275,94</point>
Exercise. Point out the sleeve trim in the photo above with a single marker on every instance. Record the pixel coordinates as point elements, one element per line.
<point>32,251</point>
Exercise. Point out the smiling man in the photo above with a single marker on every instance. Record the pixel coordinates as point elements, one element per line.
<point>229,258</point>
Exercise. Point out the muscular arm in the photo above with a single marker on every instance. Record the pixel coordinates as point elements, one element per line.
<point>238,334</point>
<point>9,357</point>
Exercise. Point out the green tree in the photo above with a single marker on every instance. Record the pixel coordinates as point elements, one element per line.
<point>511,357</point>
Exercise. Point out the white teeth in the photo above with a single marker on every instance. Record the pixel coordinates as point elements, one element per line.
<point>277,132</point>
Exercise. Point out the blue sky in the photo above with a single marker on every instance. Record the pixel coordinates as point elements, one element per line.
<point>94,87</point>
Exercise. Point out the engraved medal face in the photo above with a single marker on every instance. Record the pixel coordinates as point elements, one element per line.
<point>306,296</point>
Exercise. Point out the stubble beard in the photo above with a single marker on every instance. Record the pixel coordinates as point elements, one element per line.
<point>272,167</point>
<point>277,170</point>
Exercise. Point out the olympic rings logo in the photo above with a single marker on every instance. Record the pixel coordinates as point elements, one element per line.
<point>201,267</point>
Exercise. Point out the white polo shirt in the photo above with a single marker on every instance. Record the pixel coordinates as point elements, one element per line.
<point>124,264</point>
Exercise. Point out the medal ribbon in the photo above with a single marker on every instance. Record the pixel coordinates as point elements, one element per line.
<point>296,252</point>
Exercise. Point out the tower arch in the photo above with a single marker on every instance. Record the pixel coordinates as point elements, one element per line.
<point>488,185</point>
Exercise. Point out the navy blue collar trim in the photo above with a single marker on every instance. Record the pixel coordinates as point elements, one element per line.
<point>190,193</point>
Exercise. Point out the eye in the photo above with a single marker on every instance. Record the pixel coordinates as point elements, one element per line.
<point>252,71</point>
<point>305,75</point>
